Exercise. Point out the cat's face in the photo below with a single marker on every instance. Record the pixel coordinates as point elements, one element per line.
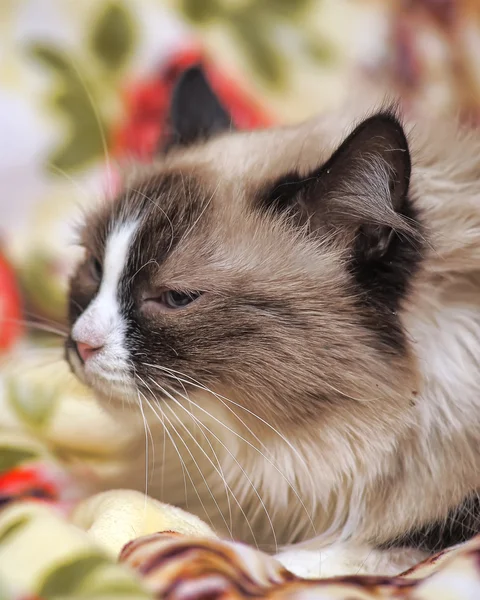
<point>279,290</point>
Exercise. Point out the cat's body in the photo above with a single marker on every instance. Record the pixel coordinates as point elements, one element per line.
<point>331,360</point>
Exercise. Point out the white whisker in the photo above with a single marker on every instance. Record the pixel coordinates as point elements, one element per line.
<point>35,325</point>
<point>182,462</point>
<point>179,455</point>
<point>202,425</point>
<point>146,427</point>
<point>193,382</point>
<point>162,211</point>
<point>85,193</point>
<point>200,428</point>
<point>98,120</point>
<point>189,381</point>
<point>207,204</point>
<point>190,453</point>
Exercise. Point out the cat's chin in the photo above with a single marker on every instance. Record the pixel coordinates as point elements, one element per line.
<point>115,397</point>
<point>112,389</point>
<point>121,395</point>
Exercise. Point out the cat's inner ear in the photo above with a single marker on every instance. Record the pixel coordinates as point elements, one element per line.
<point>195,111</point>
<point>360,193</point>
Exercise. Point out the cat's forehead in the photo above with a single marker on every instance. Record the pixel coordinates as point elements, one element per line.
<point>227,171</point>
<point>164,205</point>
<point>204,192</point>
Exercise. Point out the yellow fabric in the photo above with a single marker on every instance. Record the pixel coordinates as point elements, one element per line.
<point>116,517</point>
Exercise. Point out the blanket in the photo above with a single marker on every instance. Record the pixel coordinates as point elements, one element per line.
<point>83,85</point>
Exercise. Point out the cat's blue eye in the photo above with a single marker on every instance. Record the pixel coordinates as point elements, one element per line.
<point>174,299</point>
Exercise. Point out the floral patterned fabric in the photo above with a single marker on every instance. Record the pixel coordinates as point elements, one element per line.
<point>174,566</point>
<point>84,86</point>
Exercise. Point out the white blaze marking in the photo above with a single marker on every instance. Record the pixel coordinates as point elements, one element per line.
<point>101,324</point>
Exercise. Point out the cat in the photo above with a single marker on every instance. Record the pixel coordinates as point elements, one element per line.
<point>299,308</point>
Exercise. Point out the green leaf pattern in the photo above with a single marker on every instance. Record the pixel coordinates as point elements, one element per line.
<point>13,528</point>
<point>87,86</point>
<point>33,406</point>
<point>11,457</point>
<point>113,37</point>
<point>255,25</point>
<point>66,579</point>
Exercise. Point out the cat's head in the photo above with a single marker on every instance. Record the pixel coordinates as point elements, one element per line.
<point>269,267</point>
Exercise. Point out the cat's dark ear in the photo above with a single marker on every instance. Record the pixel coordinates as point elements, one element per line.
<point>361,192</point>
<point>195,111</point>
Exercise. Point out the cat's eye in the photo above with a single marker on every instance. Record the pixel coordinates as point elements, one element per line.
<point>173,299</point>
<point>95,268</point>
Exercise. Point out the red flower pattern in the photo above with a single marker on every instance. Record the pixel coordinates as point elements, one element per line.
<point>10,311</point>
<point>147,103</point>
<point>27,482</point>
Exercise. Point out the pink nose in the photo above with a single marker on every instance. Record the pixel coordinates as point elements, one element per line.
<point>86,351</point>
